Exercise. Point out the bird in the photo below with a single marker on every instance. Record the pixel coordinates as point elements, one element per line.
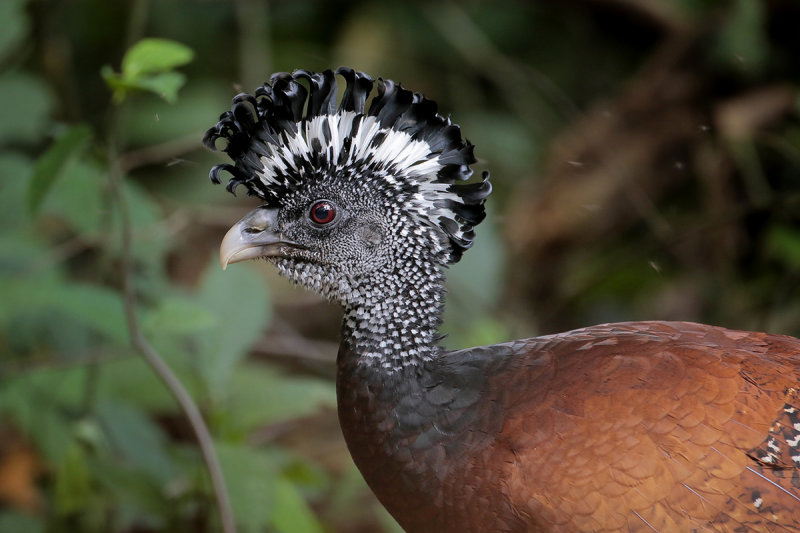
<point>637,426</point>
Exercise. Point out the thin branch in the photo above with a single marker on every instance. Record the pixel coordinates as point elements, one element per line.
<point>151,355</point>
<point>169,152</point>
<point>296,347</point>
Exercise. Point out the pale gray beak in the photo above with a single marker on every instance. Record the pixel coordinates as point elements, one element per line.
<point>255,235</point>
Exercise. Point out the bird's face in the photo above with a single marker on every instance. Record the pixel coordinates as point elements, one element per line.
<point>331,238</point>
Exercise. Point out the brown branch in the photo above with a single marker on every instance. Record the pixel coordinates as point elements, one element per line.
<point>151,355</point>
<point>169,152</point>
<point>286,341</point>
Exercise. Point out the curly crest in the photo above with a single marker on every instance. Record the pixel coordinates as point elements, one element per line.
<point>286,135</point>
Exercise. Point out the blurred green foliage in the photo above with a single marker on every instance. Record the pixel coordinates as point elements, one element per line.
<point>90,439</point>
<point>148,66</point>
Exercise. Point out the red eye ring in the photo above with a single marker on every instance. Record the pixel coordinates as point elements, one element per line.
<point>322,212</point>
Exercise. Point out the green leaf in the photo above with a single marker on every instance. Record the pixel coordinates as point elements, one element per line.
<point>139,503</point>
<point>50,166</point>
<point>250,475</point>
<point>783,243</point>
<point>178,316</point>
<point>152,56</point>
<point>165,84</point>
<point>13,27</point>
<point>742,41</point>
<point>80,199</point>
<point>134,381</point>
<point>13,189</point>
<point>96,307</point>
<point>148,66</point>
<point>35,404</point>
<point>25,105</point>
<point>292,512</point>
<point>278,397</point>
<point>73,482</point>
<point>99,308</point>
<point>136,438</point>
<point>20,251</point>
<point>239,302</point>
<point>12,521</point>
<point>306,475</point>
<point>150,240</point>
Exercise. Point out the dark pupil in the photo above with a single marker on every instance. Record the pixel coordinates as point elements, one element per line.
<point>322,213</point>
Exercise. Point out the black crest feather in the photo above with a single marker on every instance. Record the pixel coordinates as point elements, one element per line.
<point>291,130</point>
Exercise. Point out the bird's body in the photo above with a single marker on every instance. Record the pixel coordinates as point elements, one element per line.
<point>666,426</point>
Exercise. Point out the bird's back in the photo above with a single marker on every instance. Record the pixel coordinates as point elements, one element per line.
<point>640,426</point>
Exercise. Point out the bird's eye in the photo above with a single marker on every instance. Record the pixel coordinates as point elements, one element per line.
<point>323,212</point>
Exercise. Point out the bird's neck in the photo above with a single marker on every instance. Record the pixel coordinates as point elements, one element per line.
<point>393,324</point>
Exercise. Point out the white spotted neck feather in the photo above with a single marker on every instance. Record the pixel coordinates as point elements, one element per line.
<point>391,318</point>
<point>396,325</point>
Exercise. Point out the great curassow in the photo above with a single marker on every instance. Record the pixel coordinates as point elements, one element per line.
<point>641,426</point>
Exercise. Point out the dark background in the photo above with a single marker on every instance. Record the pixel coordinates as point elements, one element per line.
<point>645,158</point>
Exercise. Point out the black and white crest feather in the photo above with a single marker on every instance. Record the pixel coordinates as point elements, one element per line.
<point>287,135</point>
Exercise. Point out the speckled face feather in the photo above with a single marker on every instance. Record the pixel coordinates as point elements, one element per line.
<point>415,156</point>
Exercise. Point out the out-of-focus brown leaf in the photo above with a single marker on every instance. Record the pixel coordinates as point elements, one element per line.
<point>19,468</point>
<point>741,117</point>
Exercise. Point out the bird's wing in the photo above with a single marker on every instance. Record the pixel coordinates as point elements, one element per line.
<point>664,426</point>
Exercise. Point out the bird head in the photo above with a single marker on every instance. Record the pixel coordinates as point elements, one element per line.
<point>350,189</point>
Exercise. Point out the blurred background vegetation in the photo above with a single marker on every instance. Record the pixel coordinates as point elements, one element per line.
<point>646,162</point>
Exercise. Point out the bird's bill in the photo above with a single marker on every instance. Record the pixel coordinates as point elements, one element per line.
<point>255,235</point>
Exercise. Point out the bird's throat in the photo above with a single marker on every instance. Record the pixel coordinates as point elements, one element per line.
<point>394,323</point>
